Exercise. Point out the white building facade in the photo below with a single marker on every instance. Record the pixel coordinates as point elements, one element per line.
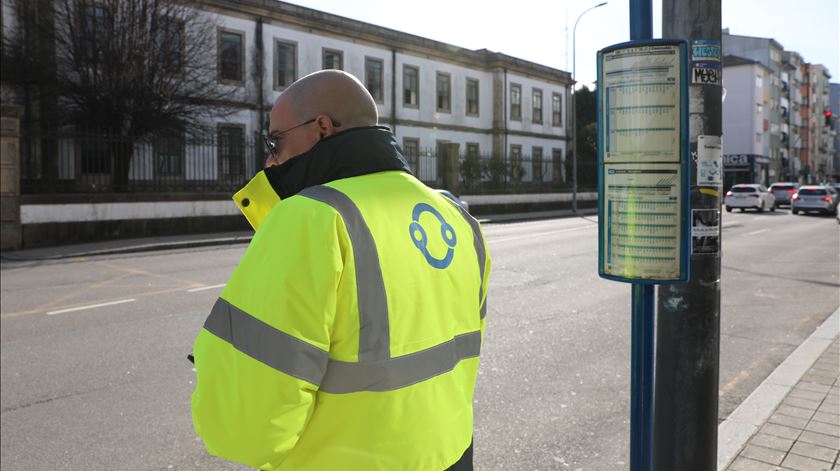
<point>429,93</point>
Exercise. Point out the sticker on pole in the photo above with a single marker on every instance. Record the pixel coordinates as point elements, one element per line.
<point>709,161</point>
<point>705,50</point>
<point>705,231</point>
<point>705,73</point>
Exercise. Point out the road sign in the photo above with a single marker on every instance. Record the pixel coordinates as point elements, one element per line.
<point>643,162</point>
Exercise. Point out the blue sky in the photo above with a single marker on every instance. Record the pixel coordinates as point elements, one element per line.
<point>541,30</point>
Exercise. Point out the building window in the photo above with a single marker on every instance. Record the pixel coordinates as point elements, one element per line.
<point>537,164</point>
<point>169,154</point>
<point>556,110</point>
<point>230,56</point>
<point>231,141</point>
<point>333,59</point>
<point>444,92</point>
<point>285,64</point>
<point>170,44</point>
<point>411,86</point>
<point>94,22</point>
<point>558,173</point>
<point>472,97</point>
<point>516,169</point>
<point>536,106</point>
<point>515,102</point>
<point>411,151</point>
<point>472,151</point>
<point>373,78</point>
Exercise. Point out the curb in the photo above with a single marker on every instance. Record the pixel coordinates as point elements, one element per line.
<point>536,215</point>
<point>21,256</point>
<point>744,422</point>
<point>151,247</point>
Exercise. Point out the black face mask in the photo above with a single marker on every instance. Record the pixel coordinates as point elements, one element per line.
<point>351,153</point>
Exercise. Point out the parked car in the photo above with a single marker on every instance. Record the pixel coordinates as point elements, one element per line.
<point>783,191</point>
<point>749,196</point>
<point>462,203</point>
<point>816,198</point>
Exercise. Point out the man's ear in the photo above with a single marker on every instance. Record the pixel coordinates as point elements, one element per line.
<point>326,125</point>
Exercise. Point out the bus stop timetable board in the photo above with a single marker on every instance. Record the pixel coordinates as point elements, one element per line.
<point>643,162</point>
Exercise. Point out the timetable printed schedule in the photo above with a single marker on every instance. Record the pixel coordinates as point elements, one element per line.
<point>641,157</point>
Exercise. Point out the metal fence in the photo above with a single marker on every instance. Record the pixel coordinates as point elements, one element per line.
<point>85,163</point>
<point>502,173</point>
<point>96,163</point>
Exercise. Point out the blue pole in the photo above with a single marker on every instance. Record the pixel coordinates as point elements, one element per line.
<point>641,387</point>
<point>641,19</point>
<point>641,393</point>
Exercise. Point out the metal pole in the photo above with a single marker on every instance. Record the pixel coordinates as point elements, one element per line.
<point>641,387</point>
<point>688,334</point>
<point>643,331</point>
<point>574,109</point>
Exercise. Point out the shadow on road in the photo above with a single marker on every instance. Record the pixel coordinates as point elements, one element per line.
<point>766,275</point>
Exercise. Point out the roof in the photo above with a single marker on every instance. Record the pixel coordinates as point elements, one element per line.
<point>309,19</point>
<point>770,40</point>
<point>731,61</point>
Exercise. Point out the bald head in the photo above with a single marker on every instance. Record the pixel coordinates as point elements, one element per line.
<point>334,93</point>
<point>314,107</point>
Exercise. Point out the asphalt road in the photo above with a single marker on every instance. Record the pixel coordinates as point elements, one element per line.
<point>108,387</point>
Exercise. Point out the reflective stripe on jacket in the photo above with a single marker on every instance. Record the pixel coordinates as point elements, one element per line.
<point>348,336</point>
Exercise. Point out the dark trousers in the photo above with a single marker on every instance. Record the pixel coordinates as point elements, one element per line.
<point>465,463</point>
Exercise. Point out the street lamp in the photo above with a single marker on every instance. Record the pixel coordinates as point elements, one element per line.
<point>574,111</point>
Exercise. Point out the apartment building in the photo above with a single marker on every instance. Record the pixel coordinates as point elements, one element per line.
<point>746,121</point>
<point>834,96</point>
<point>794,96</point>
<point>820,140</point>
<point>768,52</point>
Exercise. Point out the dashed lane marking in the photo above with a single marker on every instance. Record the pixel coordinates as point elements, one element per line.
<point>193,290</point>
<point>90,306</point>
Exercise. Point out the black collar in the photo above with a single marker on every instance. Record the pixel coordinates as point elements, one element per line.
<point>351,153</point>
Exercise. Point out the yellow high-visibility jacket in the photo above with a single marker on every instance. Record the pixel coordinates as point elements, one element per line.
<point>348,336</point>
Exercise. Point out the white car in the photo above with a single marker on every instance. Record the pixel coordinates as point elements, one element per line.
<point>749,196</point>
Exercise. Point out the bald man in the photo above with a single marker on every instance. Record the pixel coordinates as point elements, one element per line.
<point>348,336</point>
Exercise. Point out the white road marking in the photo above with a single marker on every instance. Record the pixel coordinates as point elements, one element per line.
<point>528,236</point>
<point>756,232</point>
<point>205,287</point>
<point>91,306</point>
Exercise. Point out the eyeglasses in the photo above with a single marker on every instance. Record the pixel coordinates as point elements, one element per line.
<point>271,142</point>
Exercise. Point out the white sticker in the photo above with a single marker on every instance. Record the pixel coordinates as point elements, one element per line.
<point>709,161</point>
<point>705,231</point>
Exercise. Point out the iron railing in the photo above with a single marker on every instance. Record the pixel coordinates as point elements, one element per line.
<point>96,163</point>
<point>85,163</point>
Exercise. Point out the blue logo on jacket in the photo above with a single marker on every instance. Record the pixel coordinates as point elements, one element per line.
<point>418,236</point>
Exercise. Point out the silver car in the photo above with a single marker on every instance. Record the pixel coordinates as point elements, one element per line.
<point>816,198</point>
<point>783,191</point>
<point>751,195</point>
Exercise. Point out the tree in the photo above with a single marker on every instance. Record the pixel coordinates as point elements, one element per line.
<point>587,139</point>
<point>126,69</point>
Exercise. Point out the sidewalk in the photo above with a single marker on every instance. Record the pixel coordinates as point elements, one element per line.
<point>792,420</point>
<point>148,244</point>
